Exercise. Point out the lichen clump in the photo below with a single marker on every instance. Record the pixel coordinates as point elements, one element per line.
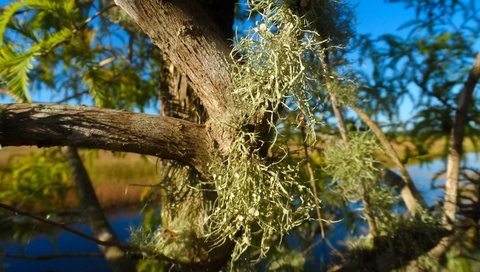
<point>276,66</point>
<point>351,162</point>
<point>255,201</point>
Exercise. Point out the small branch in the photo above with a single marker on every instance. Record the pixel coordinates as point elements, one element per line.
<point>411,196</point>
<point>312,182</point>
<point>73,96</point>
<point>97,14</point>
<point>339,116</point>
<point>52,256</point>
<point>61,226</point>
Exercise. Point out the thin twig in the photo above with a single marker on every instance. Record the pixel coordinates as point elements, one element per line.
<point>52,256</point>
<point>312,182</point>
<point>415,200</point>
<point>62,226</point>
<point>76,95</point>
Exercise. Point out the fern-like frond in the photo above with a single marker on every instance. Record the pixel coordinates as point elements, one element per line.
<point>70,6</point>
<point>43,5</point>
<point>51,41</point>
<point>14,70</point>
<point>6,16</point>
<point>23,29</point>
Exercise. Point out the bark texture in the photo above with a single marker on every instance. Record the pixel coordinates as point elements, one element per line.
<point>193,43</point>
<point>456,141</point>
<point>89,127</point>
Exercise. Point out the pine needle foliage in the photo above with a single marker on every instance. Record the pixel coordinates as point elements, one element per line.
<point>62,7</point>
<point>14,68</point>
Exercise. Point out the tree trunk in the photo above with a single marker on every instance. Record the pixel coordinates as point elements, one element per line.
<point>456,142</point>
<point>193,43</point>
<point>115,256</point>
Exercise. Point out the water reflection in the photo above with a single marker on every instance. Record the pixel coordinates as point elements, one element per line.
<point>66,243</point>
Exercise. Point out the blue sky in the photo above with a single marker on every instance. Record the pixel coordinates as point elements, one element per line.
<point>375,17</point>
<point>378,17</point>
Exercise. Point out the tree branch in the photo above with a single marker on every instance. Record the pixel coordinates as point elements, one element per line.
<point>90,127</point>
<point>62,226</point>
<point>411,196</point>
<point>192,42</point>
<point>456,141</point>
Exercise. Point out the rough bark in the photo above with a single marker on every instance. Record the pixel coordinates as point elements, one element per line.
<point>178,99</point>
<point>193,43</point>
<point>456,142</point>
<point>115,256</point>
<point>89,127</point>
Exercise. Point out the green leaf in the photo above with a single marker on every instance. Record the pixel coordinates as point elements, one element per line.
<point>44,5</point>
<point>14,70</point>
<point>52,41</point>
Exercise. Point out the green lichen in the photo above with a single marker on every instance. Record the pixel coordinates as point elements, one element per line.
<point>352,161</point>
<point>277,66</point>
<point>255,201</point>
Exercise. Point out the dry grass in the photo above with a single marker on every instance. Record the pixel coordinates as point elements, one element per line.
<point>434,149</point>
<point>112,175</point>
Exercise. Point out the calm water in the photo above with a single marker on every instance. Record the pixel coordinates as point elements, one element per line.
<point>66,243</point>
<point>69,243</point>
